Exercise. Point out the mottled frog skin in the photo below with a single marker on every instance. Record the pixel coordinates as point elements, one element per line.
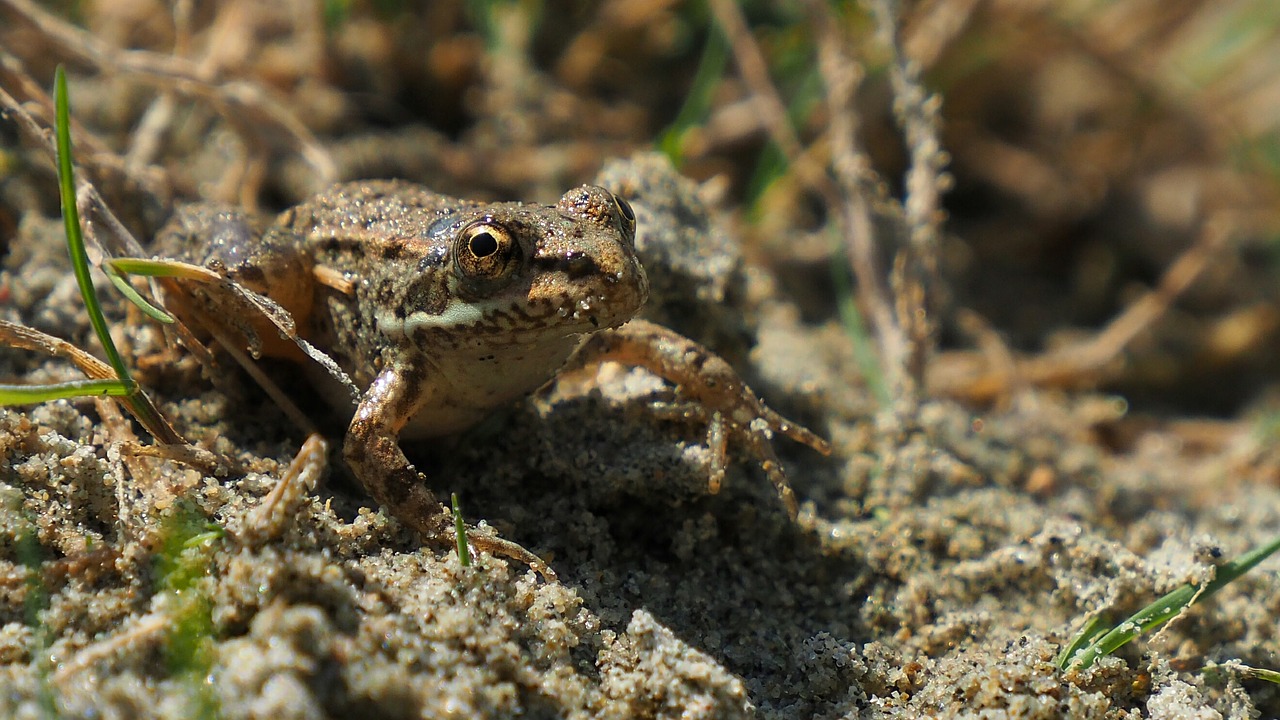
<point>441,310</point>
<point>473,305</point>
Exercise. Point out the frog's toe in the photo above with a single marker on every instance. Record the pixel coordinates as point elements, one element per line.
<point>479,540</point>
<point>759,433</point>
<point>759,436</point>
<point>270,518</point>
<point>798,433</point>
<point>718,443</point>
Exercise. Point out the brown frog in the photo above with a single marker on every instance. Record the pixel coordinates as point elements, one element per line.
<point>441,310</point>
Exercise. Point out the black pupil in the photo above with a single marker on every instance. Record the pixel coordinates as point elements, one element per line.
<point>483,244</point>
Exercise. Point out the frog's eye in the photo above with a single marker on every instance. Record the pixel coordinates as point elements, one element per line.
<point>627,215</point>
<point>485,252</point>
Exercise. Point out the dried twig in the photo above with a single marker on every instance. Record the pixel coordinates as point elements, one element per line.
<point>897,311</point>
<point>767,100</point>
<point>25,338</point>
<point>916,267</point>
<point>941,22</point>
<point>858,185</point>
<point>150,628</point>
<point>95,153</point>
<point>755,71</point>
<point>855,183</point>
<point>1086,361</point>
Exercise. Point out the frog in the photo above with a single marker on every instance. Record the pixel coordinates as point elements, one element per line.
<point>440,311</point>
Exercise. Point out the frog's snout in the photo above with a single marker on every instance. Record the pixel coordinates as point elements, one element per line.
<point>595,290</point>
<point>640,281</point>
<point>625,287</point>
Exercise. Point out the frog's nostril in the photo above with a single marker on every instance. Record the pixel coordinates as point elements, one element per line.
<point>578,264</point>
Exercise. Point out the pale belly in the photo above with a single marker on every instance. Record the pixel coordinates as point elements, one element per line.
<point>462,390</point>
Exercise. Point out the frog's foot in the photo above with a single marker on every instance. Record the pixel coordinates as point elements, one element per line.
<point>722,400</point>
<point>373,453</point>
<point>435,523</point>
<point>505,548</point>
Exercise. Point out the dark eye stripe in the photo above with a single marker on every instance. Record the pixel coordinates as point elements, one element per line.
<point>575,265</point>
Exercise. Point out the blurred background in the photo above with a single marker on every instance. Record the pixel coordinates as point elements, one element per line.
<point>1089,143</point>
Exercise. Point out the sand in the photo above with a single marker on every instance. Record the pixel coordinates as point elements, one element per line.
<point>935,569</point>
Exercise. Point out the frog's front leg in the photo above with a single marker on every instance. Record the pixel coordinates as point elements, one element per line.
<point>372,451</point>
<point>728,406</point>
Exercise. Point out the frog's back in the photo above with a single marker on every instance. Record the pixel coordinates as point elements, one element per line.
<point>371,210</point>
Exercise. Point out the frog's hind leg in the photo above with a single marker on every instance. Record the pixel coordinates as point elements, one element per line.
<point>723,400</point>
<point>240,255</point>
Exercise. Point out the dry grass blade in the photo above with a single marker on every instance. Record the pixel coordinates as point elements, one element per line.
<point>902,354</point>
<point>917,112</point>
<point>755,71</point>
<point>94,152</point>
<point>25,338</point>
<point>103,380</point>
<point>174,273</point>
<point>245,105</point>
<point>88,200</point>
<point>857,187</point>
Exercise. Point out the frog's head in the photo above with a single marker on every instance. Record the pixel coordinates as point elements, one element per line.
<point>515,273</point>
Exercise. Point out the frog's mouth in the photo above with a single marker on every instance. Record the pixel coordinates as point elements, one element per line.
<point>539,318</point>
<point>605,301</point>
<point>578,294</point>
<point>528,319</point>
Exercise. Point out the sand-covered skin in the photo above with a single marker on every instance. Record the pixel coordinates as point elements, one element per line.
<point>934,571</point>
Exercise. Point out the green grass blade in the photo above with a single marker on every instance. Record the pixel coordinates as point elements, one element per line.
<point>137,401</point>
<point>697,104</point>
<point>1166,608</point>
<point>1092,630</point>
<point>149,267</point>
<point>1217,672</point>
<point>127,290</point>
<point>460,532</point>
<point>75,240</point>
<point>32,394</point>
<point>1270,676</point>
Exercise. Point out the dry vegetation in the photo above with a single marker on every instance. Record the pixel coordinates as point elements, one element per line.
<point>1060,217</point>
